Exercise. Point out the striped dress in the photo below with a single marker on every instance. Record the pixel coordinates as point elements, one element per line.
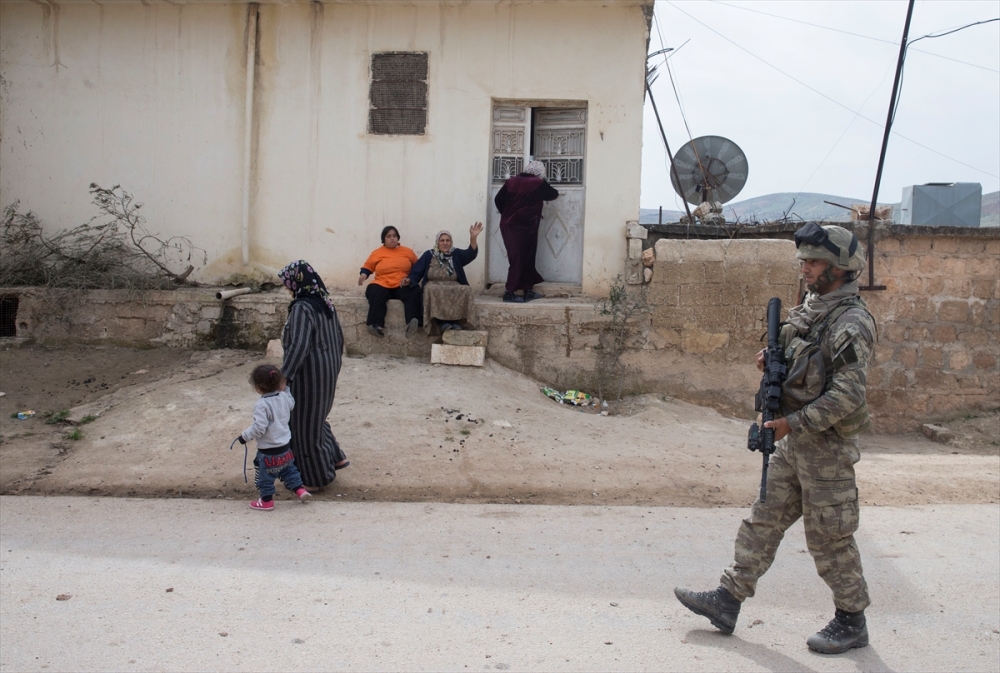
<point>314,345</point>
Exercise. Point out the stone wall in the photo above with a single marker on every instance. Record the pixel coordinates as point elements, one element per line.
<point>939,314</point>
<point>937,355</point>
<point>939,321</point>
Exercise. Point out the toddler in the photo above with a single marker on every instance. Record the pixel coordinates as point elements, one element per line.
<point>270,428</point>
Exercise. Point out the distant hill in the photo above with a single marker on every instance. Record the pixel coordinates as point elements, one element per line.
<point>991,210</point>
<point>807,206</point>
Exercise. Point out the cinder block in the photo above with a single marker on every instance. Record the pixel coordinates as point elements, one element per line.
<point>465,337</point>
<point>468,356</point>
<point>635,230</point>
<point>938,433</point>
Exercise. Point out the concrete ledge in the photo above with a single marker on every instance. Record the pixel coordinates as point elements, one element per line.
<point>465,338</point>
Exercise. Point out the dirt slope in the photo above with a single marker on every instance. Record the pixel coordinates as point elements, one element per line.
<point>416,432</point>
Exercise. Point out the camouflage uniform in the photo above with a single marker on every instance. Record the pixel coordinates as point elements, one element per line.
<point>812,471</point>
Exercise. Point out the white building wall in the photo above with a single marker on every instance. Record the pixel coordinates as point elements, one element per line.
<point>152,97</point>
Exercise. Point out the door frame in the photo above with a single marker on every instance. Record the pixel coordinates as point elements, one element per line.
<point>531,103</point>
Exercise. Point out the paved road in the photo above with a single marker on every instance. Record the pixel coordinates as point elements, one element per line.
<point>196,585</point>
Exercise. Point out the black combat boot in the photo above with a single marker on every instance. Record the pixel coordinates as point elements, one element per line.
<point>845,631</point>
<point>719,606</point>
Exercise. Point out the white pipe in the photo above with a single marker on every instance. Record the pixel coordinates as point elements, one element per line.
<point>226,294</point>
<point>248,125</point>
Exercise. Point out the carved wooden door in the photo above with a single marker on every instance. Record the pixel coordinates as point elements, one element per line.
<point>558,141</point>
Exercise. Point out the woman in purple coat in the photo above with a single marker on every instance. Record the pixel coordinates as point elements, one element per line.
<point>520,204</point>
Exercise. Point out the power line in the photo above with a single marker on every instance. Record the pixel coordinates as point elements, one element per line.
<point>820,93</point>
<point>909,44</point>
<point>846,129</point>
<point>847,32</point>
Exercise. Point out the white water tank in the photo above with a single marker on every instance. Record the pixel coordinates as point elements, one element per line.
<point>942,204</point>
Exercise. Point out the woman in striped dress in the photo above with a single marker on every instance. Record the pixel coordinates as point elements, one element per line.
<point>314,344</point>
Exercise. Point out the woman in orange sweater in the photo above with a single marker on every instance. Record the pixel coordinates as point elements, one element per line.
<point>390,265</point>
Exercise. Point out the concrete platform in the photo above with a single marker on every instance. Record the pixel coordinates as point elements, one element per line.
<point>185,585</point>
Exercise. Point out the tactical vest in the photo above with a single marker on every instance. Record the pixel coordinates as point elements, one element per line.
<point>812,362</point>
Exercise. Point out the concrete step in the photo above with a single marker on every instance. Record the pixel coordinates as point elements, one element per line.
<point>467,356</point>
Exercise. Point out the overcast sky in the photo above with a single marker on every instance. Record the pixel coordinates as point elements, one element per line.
<point>798,140</point>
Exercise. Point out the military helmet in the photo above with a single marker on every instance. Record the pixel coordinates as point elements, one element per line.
<point>832,244</point>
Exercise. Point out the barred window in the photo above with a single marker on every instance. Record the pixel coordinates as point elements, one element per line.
<point>398,96</point>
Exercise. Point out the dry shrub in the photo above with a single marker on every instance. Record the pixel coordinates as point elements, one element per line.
<point>111,251</point>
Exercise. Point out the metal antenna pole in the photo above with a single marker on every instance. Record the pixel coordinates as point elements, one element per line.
<point>881,159</point>
<point>673,169</point>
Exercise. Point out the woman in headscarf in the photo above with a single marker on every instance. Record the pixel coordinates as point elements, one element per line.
<point>448,299</point>
<point>314,345</point>
<point>520,204</point>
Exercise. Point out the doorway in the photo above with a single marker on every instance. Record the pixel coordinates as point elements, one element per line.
<point>556,136</point>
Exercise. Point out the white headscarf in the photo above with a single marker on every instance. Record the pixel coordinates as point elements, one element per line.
<point>444,258</point>
<point>536,168</point>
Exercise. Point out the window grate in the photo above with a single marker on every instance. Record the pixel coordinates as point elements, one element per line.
<point>398,94</point>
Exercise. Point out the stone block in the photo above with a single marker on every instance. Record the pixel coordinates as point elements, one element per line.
<point>917,244</point>
<point>634,248</point>
<point>468,356</point>
<point>923,310</point>
<point>274,349</point>
<point>943,245</point>
<point>944,334</point>
<point>959,359</point>
<point>701,295</point>
<point>648,257</point>
<point>635,230</point>
<point>633,274</point>
<point>971,246</point>
<point>896,333</point>
<point>974,337</point>
<point>715,272</point>
<point>933,286</point>
<point>938,433</point>
<point>465,337</point>
<point>647,275</point>
<point>908,357</point>
<point>887,245</point>
<point>954,311</point>
<point>953,267</point>
<point>984,360</point>
<point>932,357</point>
<point>984,289</point>
<point>211,312</point>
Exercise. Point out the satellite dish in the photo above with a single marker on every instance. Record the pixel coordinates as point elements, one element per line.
<point>709,168</point>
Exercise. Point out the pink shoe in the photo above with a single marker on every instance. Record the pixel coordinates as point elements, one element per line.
<point>261,505</point>
<point>303,493</point>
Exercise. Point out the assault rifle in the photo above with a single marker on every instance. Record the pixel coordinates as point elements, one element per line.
<point>768,398</point>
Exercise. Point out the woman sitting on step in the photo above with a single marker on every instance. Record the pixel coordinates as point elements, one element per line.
<point>448,299</point>
<point>391,264</point>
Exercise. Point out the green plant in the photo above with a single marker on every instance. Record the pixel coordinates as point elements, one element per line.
<point>622,306</point>
<point>465,432</point>
<point>87,419</point>
<point>76,434</point>
<point>53,417</point>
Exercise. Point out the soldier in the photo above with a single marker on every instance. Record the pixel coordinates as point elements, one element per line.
<point>827,341</point>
